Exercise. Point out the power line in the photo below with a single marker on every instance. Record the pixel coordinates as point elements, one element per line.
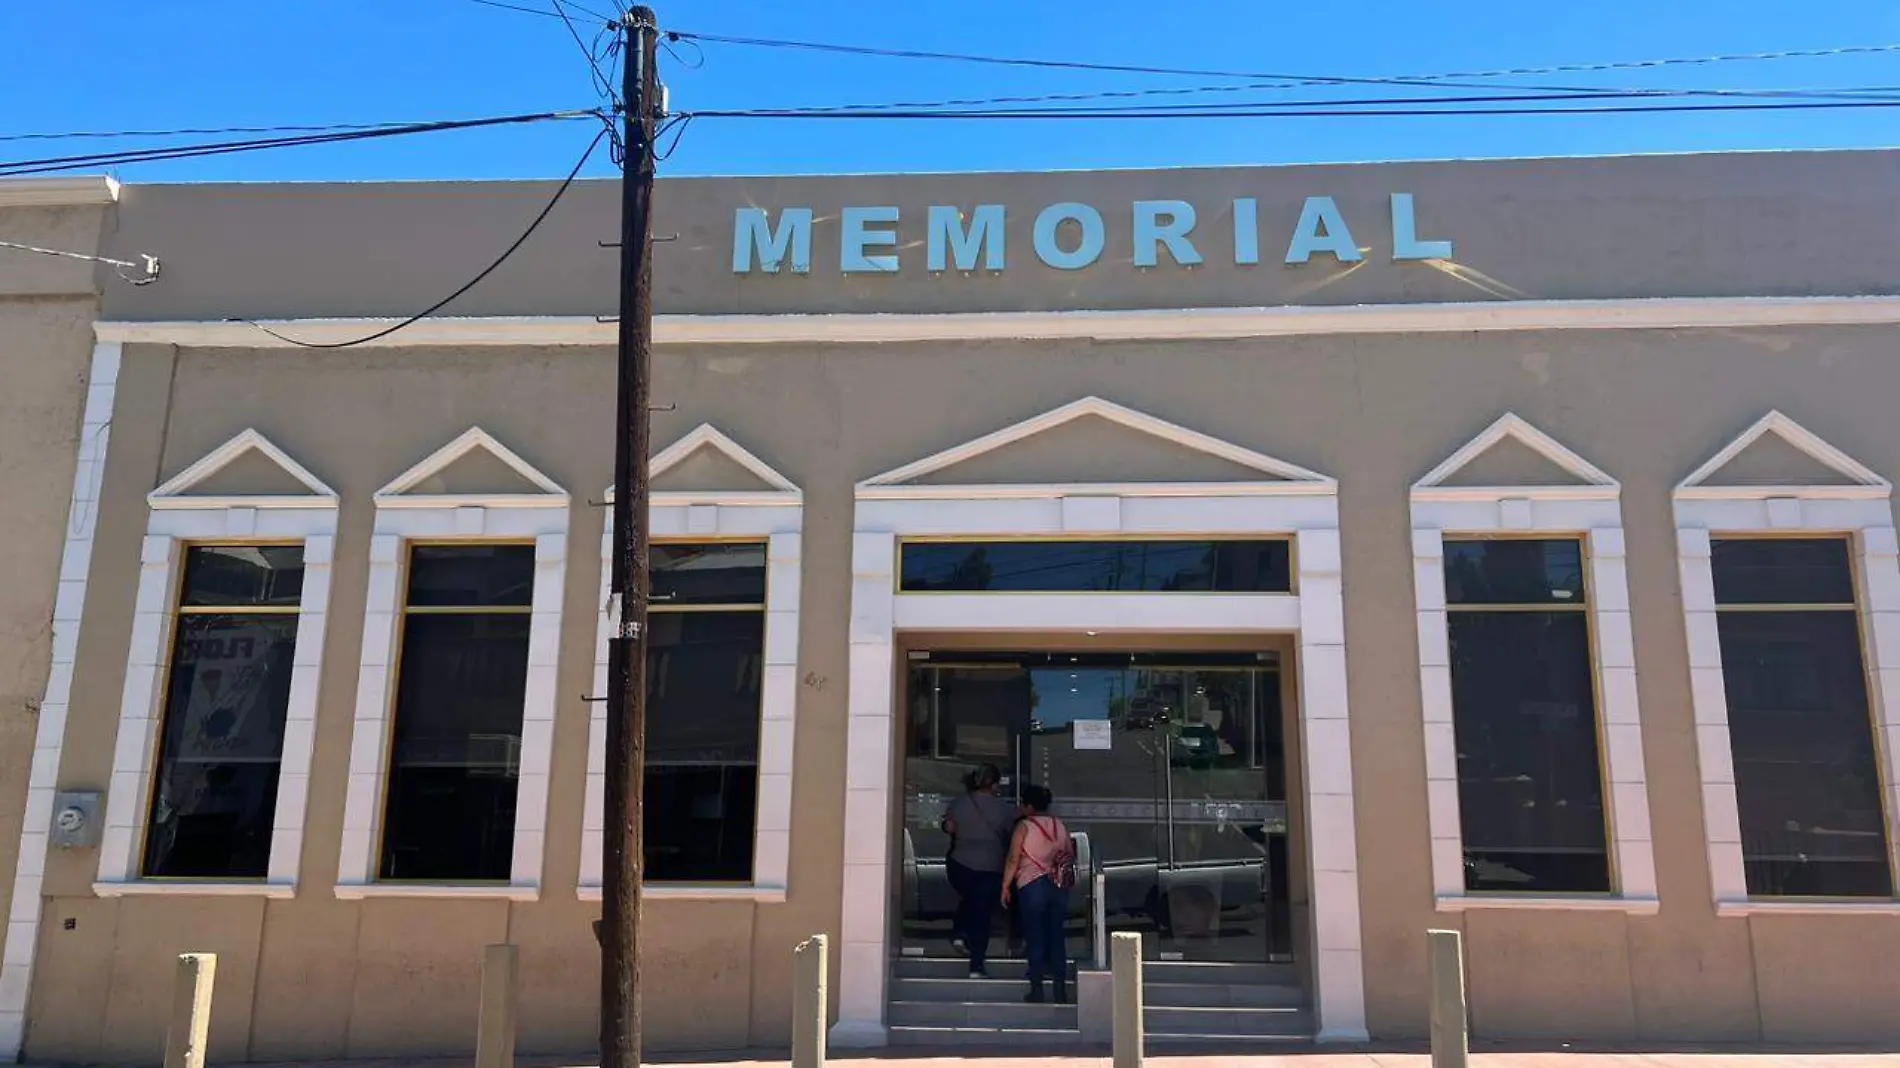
<point>54,164</point>
<point>1283,79</point>
<point>1217,108</point>
<point>601,83</point>
<point>559,192</point>
<point>1048,64</point>
<point>1680,61</point>
<point>1289,113</point>
<point>1852,93</point>
<point>78,135</point>
<point>543,12</point>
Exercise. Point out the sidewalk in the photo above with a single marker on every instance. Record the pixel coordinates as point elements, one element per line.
<point>1296,1057</point>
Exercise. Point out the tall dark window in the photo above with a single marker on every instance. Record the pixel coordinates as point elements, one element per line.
<point>1138,566</point>
<point>454,759</point>
<point>222,738</point>
<point>1807,783</point>
<point>705,651</point>
<point>1530,790</point>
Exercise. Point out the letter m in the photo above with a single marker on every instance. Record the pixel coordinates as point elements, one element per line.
<point>947,234</point>
<point>753,234</point>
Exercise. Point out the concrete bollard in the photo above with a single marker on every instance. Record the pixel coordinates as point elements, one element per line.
<point>190,1025</point>
<point>1125,959</point>
<point>495,1029</point>
<point>1451,1038</point>
<point>810,977</point>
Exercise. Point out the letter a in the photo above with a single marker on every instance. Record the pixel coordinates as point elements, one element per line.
<point>1321,229</point>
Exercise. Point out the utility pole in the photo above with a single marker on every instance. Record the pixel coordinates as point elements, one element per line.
<point>624,864</point>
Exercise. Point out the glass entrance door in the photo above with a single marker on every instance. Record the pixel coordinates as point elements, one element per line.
<point>1169,769</point>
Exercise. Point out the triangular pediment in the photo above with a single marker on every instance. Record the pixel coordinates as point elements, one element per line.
<point>246,471</point>
<point>706,461</point>
<point>1094,443</point>
<point>1512,457</point>
<point>474,469</point>
<point>1780,457</point>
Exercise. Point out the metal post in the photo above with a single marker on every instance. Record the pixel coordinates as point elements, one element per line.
<point>190,1025</point>
<point>1128,1026</point>
<point>810,974</point>
<point>1451,1038</point>
<point>622,844</point>
<point>1098,890</point>
<point>495,1028</point>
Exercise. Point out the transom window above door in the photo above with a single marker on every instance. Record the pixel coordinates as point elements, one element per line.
<point>1119,566</point>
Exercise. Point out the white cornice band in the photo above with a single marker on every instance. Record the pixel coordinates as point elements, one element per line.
<point>1675,313</point>
<point>58,192</point>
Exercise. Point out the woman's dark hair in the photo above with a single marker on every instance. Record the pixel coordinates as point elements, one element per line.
<point>1037,798</point>
<point>982,777</point>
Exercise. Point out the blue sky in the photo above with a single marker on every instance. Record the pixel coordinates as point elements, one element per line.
<point>123,65</point>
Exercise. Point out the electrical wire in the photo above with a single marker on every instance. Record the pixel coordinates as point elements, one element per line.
<point>601,84</point>
<point>198,130</point>
<point>1290,113</point>
<point>54,164</point>
<point>1290,80</point>
<point>543,12</point>
<point>148,264</point>
<point>1218,108</point>
<point>1552,93</point>
<point>1046,64</point>
<point>559,192</point>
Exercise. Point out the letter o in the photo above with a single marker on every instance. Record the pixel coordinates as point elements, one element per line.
<point>1086,251</point>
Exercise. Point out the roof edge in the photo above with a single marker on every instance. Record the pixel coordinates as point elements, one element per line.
<point>89,191</point>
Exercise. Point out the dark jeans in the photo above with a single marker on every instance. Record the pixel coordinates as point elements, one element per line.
<point>978,893</point>
<point>1045,909</point>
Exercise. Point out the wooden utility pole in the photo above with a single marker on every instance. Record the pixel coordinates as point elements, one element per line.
<point>624,863</point>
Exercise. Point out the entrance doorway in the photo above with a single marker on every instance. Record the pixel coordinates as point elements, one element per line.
<point>1169,768</point>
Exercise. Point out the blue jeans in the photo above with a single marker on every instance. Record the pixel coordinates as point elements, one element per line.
<point>1045,910</point>
<point>978,894</point>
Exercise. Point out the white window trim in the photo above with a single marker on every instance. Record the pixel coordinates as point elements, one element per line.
<point>1297,502</point>
<point>175,518</point>
<point>1863,511</point>
<point>403,517</point>
<point>36,822</point>
<point>776,517</point>
<point>1591,509</point>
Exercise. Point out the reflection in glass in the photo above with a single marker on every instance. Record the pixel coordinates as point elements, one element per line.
<point>1514,571</point>
<point>705,669</point>
<point>1530,795</point>
<point>718,573</point>
<point>1807,782</point>
<point>702,757</point>
<point>1809,571</point>
<point>471,576</point>
<point>1103,566</point>
<point>241,575</point>
<point>1181,804</point>
<point>223,738</point>
<point>455,749</point>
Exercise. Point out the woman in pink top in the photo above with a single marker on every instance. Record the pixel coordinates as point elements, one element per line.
<point>1036,855</point>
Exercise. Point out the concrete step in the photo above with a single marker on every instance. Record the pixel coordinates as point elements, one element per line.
<point>1223,1022</point>
<point>1152,972</point>
<point>952,1038</point>
<point>1178,1045</point>
<point>1015,1015</point>
<point>958,968</point>
<point>990,990</point>
<point>1165,971</point>
<point>1222,995</point>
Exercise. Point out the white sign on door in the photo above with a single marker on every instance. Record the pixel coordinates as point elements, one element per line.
<point>1093,734</point>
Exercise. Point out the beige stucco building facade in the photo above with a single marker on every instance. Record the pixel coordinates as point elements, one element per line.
<point>1416,542</point>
